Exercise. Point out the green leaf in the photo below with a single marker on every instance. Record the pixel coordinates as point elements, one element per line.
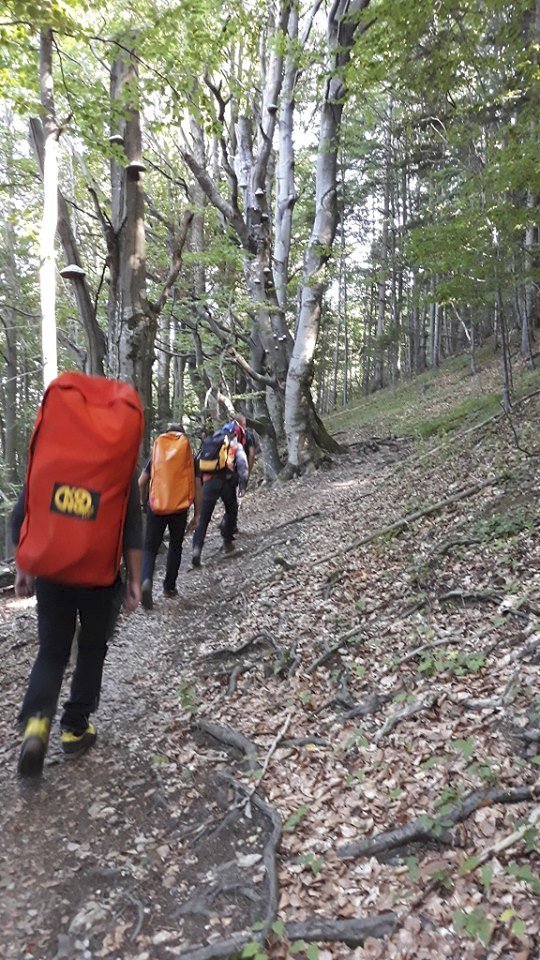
<point>312,952</point>
<point>486,874</point>
<point>296,817</point>
<point>465,747</point>
<point>251,949</point>
<point>470,864</point>
<point>412,867</point>
<point>278,927</point>
<point>297,946</point>
<point>476,923</point>
<point>433,761</point>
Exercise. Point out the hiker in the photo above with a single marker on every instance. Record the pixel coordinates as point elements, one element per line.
<point>221,468</point>
<point>77,513</point>
<point>249,443</point>
<point>167,490</point>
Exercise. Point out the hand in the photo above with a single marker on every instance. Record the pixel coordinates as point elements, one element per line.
<point>241,492</point>
<point>192,525</point>
<point>24,584</point>
<point>132,598</point>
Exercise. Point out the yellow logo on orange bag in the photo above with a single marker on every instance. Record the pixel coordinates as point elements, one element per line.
<point>75,502</point>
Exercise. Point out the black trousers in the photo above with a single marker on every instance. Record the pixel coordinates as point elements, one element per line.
<point>58,608</point>
<point>214,489</point>
<point>155,530</point>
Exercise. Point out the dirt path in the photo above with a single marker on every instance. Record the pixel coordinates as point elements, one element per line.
<point>145,848</point>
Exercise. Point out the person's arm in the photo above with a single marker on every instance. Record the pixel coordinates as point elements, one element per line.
<point>24,582</point>
<point>198,499</point>
<point>143,482</point>
<point>243,470</point>
<point>133,562</point>
<point>132,549</point>
<point>196,503</point>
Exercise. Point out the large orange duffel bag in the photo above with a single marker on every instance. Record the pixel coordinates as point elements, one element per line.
<point>172,474</point>
<point>83,452</point>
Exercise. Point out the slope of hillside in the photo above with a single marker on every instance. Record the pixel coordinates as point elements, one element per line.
<point>329,744</point>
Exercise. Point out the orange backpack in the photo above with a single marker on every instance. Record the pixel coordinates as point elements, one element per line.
<point>172,476</point>
<point>83,452</point>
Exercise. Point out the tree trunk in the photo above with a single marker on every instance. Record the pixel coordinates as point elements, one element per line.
<point>95,338</point>
<point>47,270</point>
<point>305,434</point>
<point>134,324</point>
<point>285,188</point>
<point>379,379</point>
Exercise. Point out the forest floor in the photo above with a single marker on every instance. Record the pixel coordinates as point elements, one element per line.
<point>328,745</point>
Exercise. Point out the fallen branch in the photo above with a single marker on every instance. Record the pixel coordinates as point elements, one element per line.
<point>405,521</point>
<point>490,703</point>
<point>260,638</point>
<point>449,545</point>
<point>441,641</point>
<point>305,516</point>
<point>529,650</point>
<point>372,705</point>
<point>353,632</point>
<point>425,829</point>
<point>503,844</point>
<point>311,741</point>
<point>410,711</point>
<point>351,932</point>
<point>273,747</point>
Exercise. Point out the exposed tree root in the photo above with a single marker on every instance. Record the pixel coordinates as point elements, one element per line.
<point>220,948</point>
<point>235,943</point>
<point>231,738</point>
<point>287,659</point>
<point>426,829</point>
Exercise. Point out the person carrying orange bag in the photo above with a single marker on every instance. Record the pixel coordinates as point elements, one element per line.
<point>168,481</point>
<point>76,515</point>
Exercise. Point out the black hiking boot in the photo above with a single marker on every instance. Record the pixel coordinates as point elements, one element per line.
<point>34,746</point>
<point>74,744</point>
<point>146,595</point>
<point>196,557</point>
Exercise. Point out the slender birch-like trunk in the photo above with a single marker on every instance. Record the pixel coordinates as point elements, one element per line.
<point>305,433</point>
<point>95,338</point>
<point>47,261</point>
